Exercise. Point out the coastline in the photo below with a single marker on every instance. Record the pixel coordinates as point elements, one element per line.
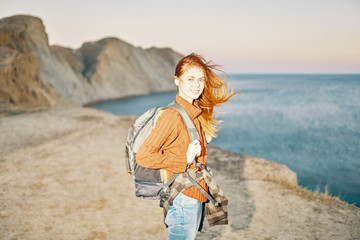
<point>91,104</point>
<point>63,175</point>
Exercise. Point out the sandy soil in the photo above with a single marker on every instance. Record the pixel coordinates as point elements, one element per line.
<point>62,176</point>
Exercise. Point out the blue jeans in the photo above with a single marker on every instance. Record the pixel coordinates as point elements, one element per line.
<point>183,217</point>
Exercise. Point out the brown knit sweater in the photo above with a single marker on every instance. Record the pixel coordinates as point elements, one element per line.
<point>167,144</point>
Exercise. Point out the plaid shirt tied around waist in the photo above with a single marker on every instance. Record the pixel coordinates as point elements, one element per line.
<point>216,215</point>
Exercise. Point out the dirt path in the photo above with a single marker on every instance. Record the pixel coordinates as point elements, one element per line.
<point>62,176</point>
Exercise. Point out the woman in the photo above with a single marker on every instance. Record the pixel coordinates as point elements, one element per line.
<point>168,146</point>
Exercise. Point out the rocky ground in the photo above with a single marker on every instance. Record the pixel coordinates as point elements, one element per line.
<point>62,176</point>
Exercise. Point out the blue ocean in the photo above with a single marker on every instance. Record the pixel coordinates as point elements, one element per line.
<point>309,122</point>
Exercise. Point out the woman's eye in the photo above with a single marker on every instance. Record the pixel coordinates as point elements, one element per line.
<point>202,80</point>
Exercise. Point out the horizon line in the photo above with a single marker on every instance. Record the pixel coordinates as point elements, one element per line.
<point>284,73</point>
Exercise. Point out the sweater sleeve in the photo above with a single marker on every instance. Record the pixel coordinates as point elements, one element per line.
<point>161,148</point>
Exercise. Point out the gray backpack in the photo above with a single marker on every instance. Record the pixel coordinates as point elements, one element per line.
<point>148,182</point>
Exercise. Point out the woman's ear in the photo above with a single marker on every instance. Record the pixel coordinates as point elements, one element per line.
<point>176,80</point>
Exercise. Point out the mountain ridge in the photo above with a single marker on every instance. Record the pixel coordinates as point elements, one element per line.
<point>53,75</point>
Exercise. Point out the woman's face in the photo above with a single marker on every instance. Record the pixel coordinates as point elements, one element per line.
<point>191,83</point>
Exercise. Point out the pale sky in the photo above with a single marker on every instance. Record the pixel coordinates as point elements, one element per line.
<point>253,36</point>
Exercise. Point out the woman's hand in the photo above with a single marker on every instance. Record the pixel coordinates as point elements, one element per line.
<point>208,138</point>
<point>194,150</point>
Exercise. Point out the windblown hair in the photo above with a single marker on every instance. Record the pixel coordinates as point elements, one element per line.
<point>216,91</point>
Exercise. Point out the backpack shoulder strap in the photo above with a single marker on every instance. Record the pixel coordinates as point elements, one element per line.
<point>193,132</point>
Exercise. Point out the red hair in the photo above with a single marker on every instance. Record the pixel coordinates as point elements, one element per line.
<point>215,93</point>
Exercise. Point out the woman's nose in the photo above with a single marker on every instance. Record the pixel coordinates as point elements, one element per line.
<point>197,83</point>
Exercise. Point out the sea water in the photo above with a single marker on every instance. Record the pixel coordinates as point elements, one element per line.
<point>310,123</point>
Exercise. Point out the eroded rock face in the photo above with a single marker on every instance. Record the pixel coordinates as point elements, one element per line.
<point>35,74</point>
<point>21,83</point>
<point>240,166</point>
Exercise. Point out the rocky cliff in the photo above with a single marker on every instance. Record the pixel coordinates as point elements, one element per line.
<point>35,74</point>
<point>63,177</point>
